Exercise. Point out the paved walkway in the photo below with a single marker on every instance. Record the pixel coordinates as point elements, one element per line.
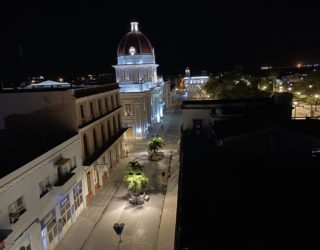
<point>147,226</point>
<point>303,110</point>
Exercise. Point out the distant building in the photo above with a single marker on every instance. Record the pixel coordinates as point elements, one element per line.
<point>200,116</point>
<point>143,93</point>
<point>94,79</point>
<point>194,84</point>
<point>252,154</point>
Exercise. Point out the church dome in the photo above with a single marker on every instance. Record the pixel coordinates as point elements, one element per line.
<point>134,43</point>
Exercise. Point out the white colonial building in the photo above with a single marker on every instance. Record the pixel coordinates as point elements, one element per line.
<point>74,170</point>
<point>194,85</point>
<point>143,93</point>
<point>41,199</point>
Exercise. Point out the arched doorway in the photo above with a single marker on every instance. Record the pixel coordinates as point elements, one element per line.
<point>89,186</point>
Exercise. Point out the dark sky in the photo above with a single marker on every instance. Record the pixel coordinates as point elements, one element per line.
<point>75,37</point>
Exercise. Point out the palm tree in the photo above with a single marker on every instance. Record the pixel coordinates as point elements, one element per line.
<point>135,177</point>
<point>155,144</point>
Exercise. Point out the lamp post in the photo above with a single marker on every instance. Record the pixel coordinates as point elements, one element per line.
<point>316,97</point>
<point>295,109</point>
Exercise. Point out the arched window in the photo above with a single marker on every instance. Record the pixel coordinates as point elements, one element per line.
<point>85,146</point>
<point>109,129</point>
<point>102,134</point>
<point>106,102</point>
<point>115,126</point>
<point>119,121</point>
<point>95,143</point>
<point>91,108</point>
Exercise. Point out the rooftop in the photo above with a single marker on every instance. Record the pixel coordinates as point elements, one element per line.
<point>20,147</point>
<point>255,185</point>
<point>50,86</point>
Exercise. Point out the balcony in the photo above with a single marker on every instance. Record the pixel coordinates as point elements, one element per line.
<point>14,217</point>
<point>46,190</point>
<point>92,158</point>
<point>64,183</point>
<point>96,116</point>
<point>4,233</point>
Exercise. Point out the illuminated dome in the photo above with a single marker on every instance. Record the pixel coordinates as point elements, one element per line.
<point>134,43</point>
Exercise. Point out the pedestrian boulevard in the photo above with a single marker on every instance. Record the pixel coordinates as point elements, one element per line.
<point>147,226</point>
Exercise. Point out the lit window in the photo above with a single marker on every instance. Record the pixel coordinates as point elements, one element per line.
<point>127,110</point>
<point>77,195</point>
<point>65,210</point>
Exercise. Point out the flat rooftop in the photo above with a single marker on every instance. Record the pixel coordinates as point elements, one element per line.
<point>255,190</point>
<point>78,90</point>
<point>20,147</point>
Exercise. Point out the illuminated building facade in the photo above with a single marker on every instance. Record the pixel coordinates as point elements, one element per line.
<point>93,116</point>
<point>43,198</point>
<point>93,112</point>
<point>194,85</point>
<point>142,91</point>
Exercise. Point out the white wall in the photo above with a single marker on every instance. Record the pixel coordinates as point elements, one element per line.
<point>35,108</point>
<point>25,182</point>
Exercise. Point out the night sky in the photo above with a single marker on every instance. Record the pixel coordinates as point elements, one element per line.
<point>82,37</point>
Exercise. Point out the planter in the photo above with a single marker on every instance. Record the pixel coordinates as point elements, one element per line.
<point>156,156</point>
<point>137,199</point>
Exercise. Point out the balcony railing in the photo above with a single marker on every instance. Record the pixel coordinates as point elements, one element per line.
<point>96,116</point>
<point>47,189</point>
<point>92,158</point>
<point>64,183</point>
<point>14,217</point>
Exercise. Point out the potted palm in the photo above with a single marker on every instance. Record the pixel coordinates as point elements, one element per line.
<point>153,146</point>
<point>136,180</point>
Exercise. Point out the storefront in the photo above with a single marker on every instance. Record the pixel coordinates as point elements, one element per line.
<point>49,231</point>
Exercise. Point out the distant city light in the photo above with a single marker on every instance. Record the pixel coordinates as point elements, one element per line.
<point>60,79</point>
<point>266,67</point>
<point>299,65</point>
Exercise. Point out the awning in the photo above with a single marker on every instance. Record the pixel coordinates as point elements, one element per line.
<point>4,233</point>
